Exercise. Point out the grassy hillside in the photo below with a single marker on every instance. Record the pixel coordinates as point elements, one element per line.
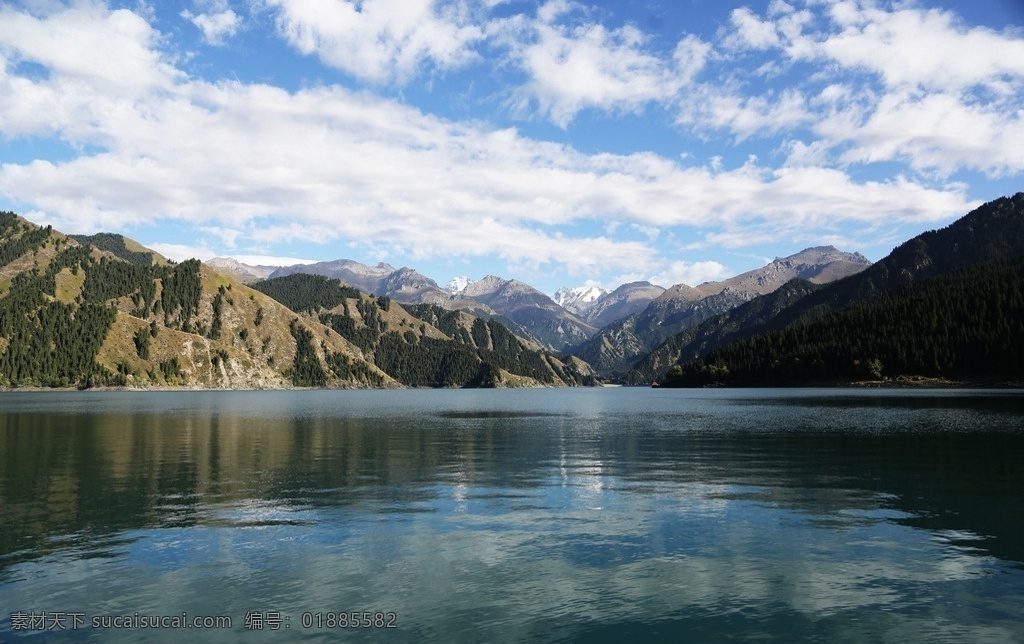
<point>73,314</point>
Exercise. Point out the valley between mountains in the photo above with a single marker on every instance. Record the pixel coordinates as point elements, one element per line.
<point>103,311</point>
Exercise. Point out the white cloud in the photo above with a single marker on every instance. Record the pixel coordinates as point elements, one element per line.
<point>752,32</point>
<point>884,84</point>
<point>746,116</point>
<point>215,26</point>
<point>265,260</point>
<point>691,274</point>
<point>939,132</point>
<point>380,40</point>
<point>572,68</point>
<point>114,56</point>
<point>182,252</point>
<point>335,166</point>
<point>913,47</point>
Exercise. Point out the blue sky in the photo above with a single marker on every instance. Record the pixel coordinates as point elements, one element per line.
<point>561,143</point>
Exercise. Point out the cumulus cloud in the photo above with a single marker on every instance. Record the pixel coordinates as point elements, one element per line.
<point>572,67</point>
<point>215,26</point>
<point>692,274</point>
<point>182,252</point>
<point>338,166</point>
<point>916,47</point>
<point>882,83</point>
<point>115,55</point>
<point>381,41</point>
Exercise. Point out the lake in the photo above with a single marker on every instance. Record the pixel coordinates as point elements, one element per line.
<point>553,515</point>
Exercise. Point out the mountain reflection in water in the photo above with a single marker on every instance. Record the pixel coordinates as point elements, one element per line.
<point>551,515</point>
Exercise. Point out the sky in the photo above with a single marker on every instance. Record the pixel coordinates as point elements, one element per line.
<point>556,142</point>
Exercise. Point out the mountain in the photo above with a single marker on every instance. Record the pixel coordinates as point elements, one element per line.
<point>964,324</point>
<point>368,279</point>
<point>993,232</point>
<point>579,299</point>
<point>619,344</point>
<point>457,284</point>
<point>409,286</point>
<point>123,247</point>
<point>524,309</point>
<point>622,302</point>
<point>102,310</point>
<point>75,314</point>
<point>245,273</point>
<point>424,345</point>
<point>528,311</point>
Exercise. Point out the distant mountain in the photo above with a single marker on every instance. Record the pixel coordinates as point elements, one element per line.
<point>528,311</point>
<point>422,345</point>
<point>613,350</point>
<point>993,232</point>
<point>457,284</point>
<point>524,309</point>
<point>245,273</point>
<point>622,302</point>
<point>368,279</point>
<point>580,299</point>
<point>581,312</point>
<point>410,287</point>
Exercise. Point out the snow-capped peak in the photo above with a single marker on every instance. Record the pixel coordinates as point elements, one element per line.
<point>579,298</point>
<point>458,284</point>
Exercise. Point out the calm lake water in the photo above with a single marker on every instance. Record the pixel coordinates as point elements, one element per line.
<point>513,515</point>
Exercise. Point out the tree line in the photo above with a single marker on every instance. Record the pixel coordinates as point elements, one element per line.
<point>965,324</point>
<point>52,343</point>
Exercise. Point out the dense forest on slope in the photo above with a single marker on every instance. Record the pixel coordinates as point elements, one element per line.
<point>992,232</point>
<point>967,324</point>
<point>119,246</point>
<point>419,345</point>
<point>50,338</point>
<point>102,310</point>
<point>617,347</point>
<point>306,293</point>
<point>759,315</point>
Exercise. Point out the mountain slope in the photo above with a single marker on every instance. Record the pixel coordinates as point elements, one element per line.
<point>624,301</point>
<point>528,312</point>
<point>424,345</point>
<point>618,345</point>
<point>524,309</point>
<point>580,299</point>
<point>992,232</point>
<point>245,273</point>
<point>965,324</point>
<point>73,314</point>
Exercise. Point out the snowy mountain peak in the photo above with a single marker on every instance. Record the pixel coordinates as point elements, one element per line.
<point>458,284</point>
<point>580,298</point>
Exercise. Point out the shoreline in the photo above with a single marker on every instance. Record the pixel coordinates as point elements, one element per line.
<point>903,382</point>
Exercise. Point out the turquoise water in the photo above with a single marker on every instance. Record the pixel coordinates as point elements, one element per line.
<point>513,515</point>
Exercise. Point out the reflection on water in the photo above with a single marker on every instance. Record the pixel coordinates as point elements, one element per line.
<point>517,515</point>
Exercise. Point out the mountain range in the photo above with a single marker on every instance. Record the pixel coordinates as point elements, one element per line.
<point>985,245</point>
<point>624,341</point>
<point>103,310</point>
<point>579,320</point>
<point>524,309</point>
